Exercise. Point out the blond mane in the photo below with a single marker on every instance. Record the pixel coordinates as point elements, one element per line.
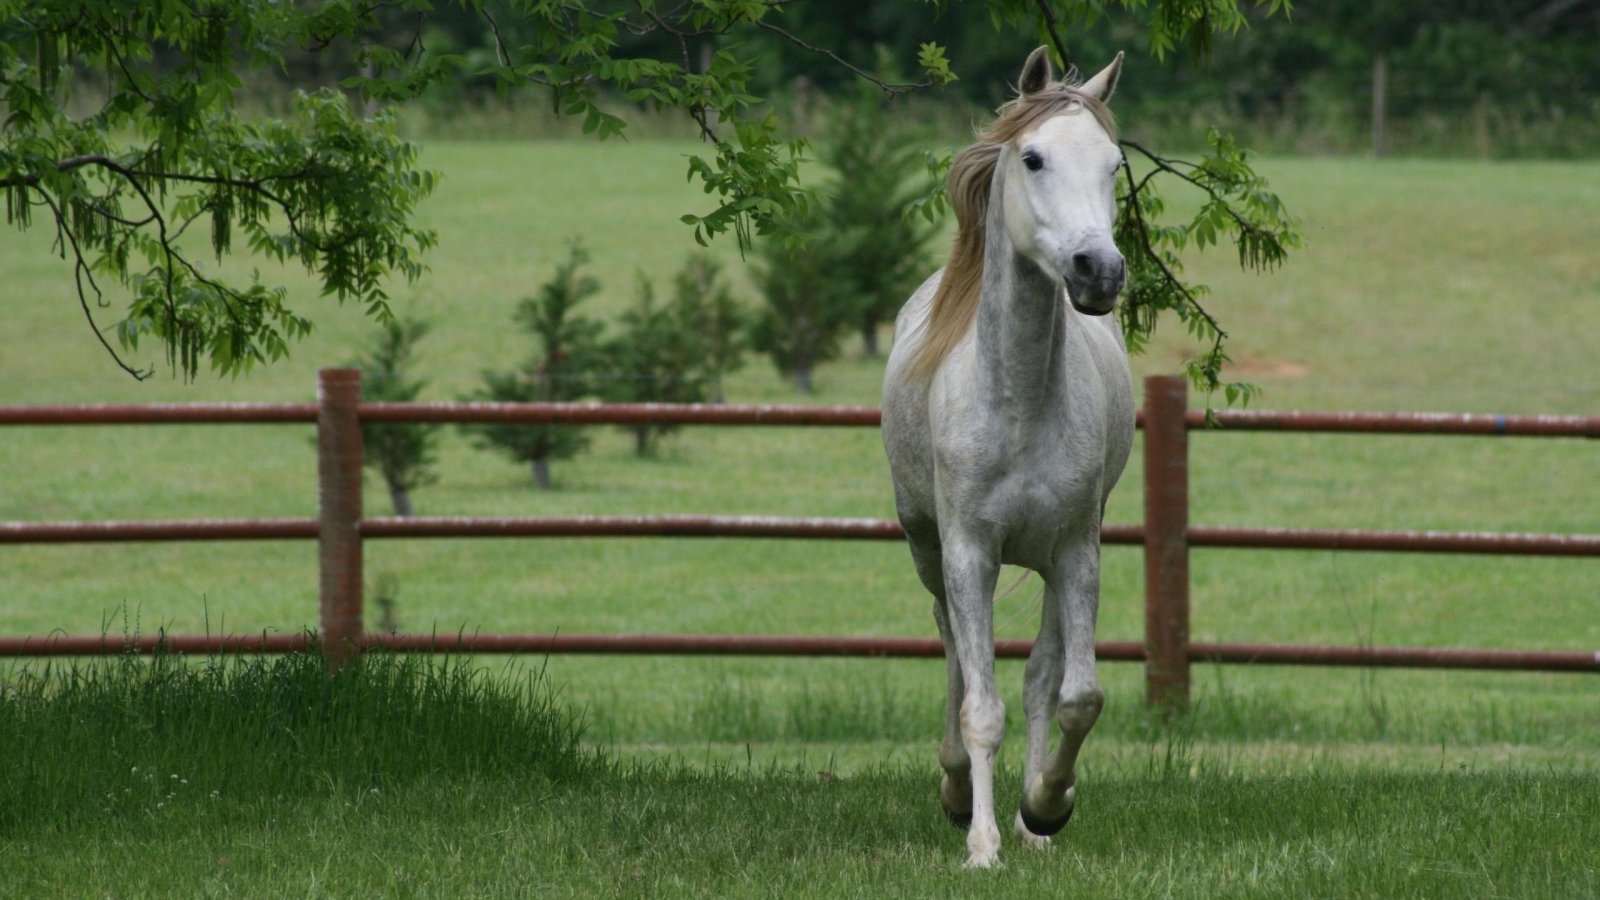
<point>955,303</point>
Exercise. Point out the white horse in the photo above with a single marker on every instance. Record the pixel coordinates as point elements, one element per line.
<point>1008,417</point>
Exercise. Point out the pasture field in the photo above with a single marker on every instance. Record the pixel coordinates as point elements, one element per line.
<point>423,779</point>
<point>1455,286</point>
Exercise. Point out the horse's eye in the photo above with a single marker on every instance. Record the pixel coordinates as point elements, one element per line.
<point>1033,161</point>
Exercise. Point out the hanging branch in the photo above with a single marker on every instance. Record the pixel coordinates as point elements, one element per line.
<point>1054,32</point>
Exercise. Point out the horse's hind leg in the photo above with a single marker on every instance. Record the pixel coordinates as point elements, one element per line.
<point>1074,590</point>
<point>955,788</point>
<point>1040,694</point>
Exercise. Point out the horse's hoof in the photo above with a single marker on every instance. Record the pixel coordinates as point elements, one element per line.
<point>1029,839</point>
<point>1041,826</point>
<point>949,796</point>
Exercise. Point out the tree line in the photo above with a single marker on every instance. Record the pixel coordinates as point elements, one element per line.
<point>1525,60</point>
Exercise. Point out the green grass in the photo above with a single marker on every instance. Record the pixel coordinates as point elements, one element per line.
<point>676,832</point>
<point>1426,286</point>
<point>121,737</point>
<point>407,778</point>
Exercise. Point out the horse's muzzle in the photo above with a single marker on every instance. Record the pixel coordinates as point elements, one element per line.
<point>1095,280</point>
<point>1092,310</point>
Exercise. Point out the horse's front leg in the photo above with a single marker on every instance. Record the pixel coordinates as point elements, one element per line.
<point>1074,591</point>
<point>969,576</point>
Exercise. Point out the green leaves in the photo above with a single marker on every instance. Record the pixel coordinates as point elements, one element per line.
<point>335,192</point>
<point>1191,25</point>
<point>933,62</point>
<point>756,182</point>
<point>1237,205</point>
<point>165,150</point>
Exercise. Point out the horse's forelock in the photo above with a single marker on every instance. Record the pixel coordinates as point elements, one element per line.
<point>1022,114</point>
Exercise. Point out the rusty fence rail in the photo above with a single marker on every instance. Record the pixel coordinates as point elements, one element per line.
<point>1166,535</point>
<point>798,645</point>
<point>760,414</point>
<point>181,530</point>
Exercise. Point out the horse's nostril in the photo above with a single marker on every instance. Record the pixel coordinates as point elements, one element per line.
<point>1083,265</point>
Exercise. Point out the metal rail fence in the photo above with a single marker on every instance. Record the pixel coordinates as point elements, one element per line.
<point>340,528</point>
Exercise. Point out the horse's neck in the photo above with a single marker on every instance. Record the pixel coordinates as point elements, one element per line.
<point>1018,326</point>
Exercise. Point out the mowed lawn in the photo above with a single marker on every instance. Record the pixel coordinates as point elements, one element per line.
<point>1454,286</point>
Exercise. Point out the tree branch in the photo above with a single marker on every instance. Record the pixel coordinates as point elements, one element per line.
<point>1163,164</point>
<point>1054,31</point>
<point>80,271</point>
<point>1143,229</point>
<point>886,87</point>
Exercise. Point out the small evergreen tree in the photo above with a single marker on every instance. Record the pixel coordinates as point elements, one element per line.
<point>567,356</point>
<point>659,357</point>
<point>704,304</point>
<point>808,307</point>
<point>878,171</point>
<point>403,454</point>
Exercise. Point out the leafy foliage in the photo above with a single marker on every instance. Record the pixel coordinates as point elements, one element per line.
<point>1238,205</point>
<point>335,192</point>
<point>566,358</point>
<point>164,151</point>
<point>403,453</point>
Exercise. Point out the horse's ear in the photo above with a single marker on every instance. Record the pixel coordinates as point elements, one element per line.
<point>1104,84</point>
<point>1036,73</point>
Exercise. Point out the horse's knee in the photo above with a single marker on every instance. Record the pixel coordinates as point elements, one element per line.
<point>983,721</point>
<point>953,757</point>
<point>1079,708</point>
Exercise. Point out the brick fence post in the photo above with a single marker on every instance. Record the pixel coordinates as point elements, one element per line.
<point>1166,542</point>
<point>339,512</point>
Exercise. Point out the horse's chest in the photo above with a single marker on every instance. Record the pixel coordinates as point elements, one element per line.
<point>1041,494</point>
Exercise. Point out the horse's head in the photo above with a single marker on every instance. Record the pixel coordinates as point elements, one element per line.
<point>1059,174</point>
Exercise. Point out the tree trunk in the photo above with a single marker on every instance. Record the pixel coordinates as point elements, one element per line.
<point>802,378</point>
<point>541,473</point>
<point>399,498</point>
<point>387,623</point>
<point>641,440</point>
<point>1480,129</point>
<point>1380,98</point>
<point>369,105</point>
<point>869,339</point>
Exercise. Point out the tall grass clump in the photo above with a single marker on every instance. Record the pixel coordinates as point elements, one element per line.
<point>121,735</point>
